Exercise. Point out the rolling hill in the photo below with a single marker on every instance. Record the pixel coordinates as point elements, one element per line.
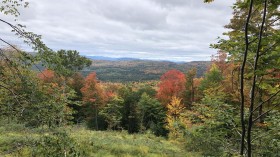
<point>139,70</point>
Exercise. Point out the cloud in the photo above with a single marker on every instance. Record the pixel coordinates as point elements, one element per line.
<point>137,15</point>
<point>155,29</point>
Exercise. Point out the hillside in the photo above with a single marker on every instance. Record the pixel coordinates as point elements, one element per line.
<point>140,70</point>
<point>16,140</point>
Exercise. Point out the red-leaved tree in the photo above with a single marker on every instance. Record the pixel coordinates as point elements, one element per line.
<point>172,84</point>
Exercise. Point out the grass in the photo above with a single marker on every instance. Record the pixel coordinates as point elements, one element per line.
<point>20,142</point>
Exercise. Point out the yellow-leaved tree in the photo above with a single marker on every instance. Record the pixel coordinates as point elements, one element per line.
<point>174,118</point>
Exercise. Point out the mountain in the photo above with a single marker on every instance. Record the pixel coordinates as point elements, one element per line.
<point>128,70</point>
<point>126,59</point>
<point>110,58</point>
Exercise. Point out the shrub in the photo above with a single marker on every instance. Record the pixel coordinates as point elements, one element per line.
<point>56,145</point>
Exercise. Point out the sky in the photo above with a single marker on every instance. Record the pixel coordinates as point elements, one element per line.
<point>175,30</point>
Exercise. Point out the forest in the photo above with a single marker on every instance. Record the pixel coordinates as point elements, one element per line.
<point>64,109</point>
<point>139,70</point>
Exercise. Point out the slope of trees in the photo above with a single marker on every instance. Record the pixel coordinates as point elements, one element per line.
<point>230,110</point>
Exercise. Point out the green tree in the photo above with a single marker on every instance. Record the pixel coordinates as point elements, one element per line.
<point>130,117</point>
<point>190,90</point>
<point>112,112</point>
<point>253,44</point>
<point>32,101</point>
<point>152,115</point>
<point>72,61</point>
<point>213,131</point>
<point>212,79</point>
<point>16,77</point>
<point>76,82</point>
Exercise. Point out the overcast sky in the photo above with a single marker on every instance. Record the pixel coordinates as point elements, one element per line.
<point>178,30</point>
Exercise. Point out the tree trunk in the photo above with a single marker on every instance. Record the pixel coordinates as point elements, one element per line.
<point>261,107</point>
<point>242,71</point>
<point>192,94</point>
<point>96,120</point>
<point>252,102</point>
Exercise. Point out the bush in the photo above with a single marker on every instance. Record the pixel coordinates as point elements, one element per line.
<point>56,145</point>
<point>213,128</point>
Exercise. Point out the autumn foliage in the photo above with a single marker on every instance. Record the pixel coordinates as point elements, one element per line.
<point>92,92</point>
<point>172,83</point>
<point>174,117</point>
<point>47,76</point>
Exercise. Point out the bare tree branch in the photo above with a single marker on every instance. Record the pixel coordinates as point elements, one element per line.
<point>269,48</point>
<point>22,53</point>
<point>265,113</point>
<point>15,95</point>
<point>271,97</point>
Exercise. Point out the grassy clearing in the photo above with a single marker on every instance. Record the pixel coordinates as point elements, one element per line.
<point>19,141</point>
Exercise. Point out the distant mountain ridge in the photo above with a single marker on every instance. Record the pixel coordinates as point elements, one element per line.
<point>111,58</point>
<point>103,58</point>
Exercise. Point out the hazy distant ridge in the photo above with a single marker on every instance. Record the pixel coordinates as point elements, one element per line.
<point>127,59</point>
<point>111,58</point>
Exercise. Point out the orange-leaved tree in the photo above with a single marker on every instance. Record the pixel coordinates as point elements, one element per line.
<point>47,76</point>
<point>93,97</point>
<point>172,83</point>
